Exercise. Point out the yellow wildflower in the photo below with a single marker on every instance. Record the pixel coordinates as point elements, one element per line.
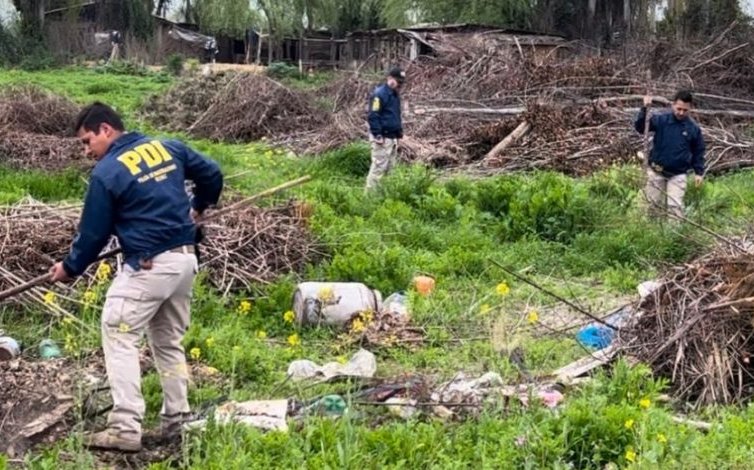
<point>502,289</point>
<point>89,297</point>
<point>67,320</point>
<point>195,353</point>
<point>211,371</point>
<point>532,317</point>
<point>367,316</point>
<point>294,340</point>
<point>103,272</point>
<point>342,359</point>
<point>124,328</point>
<point>289,316</point>
<point>645,403</point>
<point>661,438</point>
<point>485,309</point>
<point>261,334</point>
<point>629,424</point>
<point>326,294</point>
<point>244,307</point>
<point>630,456</point>
<point>50,298</point>
<point>210,342</point>
<point>357,326</point>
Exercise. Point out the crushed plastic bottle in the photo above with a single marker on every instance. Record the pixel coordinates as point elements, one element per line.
<point>397,304</point>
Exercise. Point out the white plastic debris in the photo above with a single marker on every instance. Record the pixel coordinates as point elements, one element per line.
<point>363,364</point>
<point>268,415</point>
<point>646,288</point>
<point>402,407</point>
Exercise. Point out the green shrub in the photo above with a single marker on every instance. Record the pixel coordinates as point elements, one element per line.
<point>174,64</point>
<point>282,70</point>
<point>352,160</point>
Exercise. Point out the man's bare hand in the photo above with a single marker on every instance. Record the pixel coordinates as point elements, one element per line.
<point>58,273</point>
<point>197,217</point>
<point>698,180</point>
<point>647,101</point>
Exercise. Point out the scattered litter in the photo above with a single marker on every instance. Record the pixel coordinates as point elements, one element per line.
<point>333,303</point>
<point>595,336</point>
<point>363,364</point>
<point>402,407</point>
<point>424,285</point>
<point>646,288</point>
<point>568,373</point>
<point>268,415</point>
<point>599,336</point>
<point>329,405</point>
<point>48,349</point>
<point>550,398</point>
<point>9,348</point>
<point>465,390</point>
<point>397,304</point>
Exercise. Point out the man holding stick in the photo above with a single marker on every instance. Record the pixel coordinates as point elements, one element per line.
<point>677,148</point>
<point>136,191</point>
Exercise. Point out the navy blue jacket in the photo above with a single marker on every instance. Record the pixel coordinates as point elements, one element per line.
<point>678,145</point>
<point>385,113</point>
<point>137,192</point>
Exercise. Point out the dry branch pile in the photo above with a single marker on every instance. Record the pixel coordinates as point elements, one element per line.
<point>478,88</point>
<point>35,131</point>
<point>235,107</point>
<point>697,329</point>
<point>248,245</point>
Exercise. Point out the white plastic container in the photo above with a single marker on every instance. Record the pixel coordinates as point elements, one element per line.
<point>333,303</point>
<point>9,348</point>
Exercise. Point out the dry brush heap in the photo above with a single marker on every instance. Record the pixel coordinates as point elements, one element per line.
<point>697,328</point>
<point>35,131</point>
<point>572,114</point>
<point>248,245</point>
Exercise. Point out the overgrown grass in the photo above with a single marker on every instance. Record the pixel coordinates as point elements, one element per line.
<point>587,239</point>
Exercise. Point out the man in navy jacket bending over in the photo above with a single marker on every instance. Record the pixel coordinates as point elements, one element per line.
<point>136,191</point>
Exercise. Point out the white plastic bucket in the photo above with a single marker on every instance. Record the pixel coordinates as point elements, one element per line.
<point>333,303</point>
<point>9,348</point>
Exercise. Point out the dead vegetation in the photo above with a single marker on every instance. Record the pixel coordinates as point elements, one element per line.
<point>697,328</point>
<point>573,112</point>
<point>35,131</point>
<point>246,246</point>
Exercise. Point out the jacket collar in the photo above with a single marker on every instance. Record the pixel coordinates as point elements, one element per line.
<point>126,140</point>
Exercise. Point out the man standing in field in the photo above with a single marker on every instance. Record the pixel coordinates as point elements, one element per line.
<point>385,126</point>
<point>136,191</point>
<point>678,147</point>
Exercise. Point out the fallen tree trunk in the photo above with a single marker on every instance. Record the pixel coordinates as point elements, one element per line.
<point>517,133</point>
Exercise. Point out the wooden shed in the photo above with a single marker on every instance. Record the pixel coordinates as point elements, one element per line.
<point>378,49</point>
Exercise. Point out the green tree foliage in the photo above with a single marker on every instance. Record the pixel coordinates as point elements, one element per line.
<point>227,17</point>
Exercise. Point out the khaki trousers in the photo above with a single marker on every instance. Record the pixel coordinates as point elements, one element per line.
<point>383,158</point>
<point>665,195</point>
<point>156,302</point>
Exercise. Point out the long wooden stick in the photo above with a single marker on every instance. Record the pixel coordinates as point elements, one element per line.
<point>553,295</point>
<point>46,277</point>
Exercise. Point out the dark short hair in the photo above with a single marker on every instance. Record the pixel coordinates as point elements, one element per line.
<point>91,117</point>
<point>684,96</point>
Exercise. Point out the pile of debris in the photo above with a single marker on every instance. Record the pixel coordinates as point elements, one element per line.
<point>235,107</point>
<point>697,329</point>
<point>36,131</point>
<point>245,246</point>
